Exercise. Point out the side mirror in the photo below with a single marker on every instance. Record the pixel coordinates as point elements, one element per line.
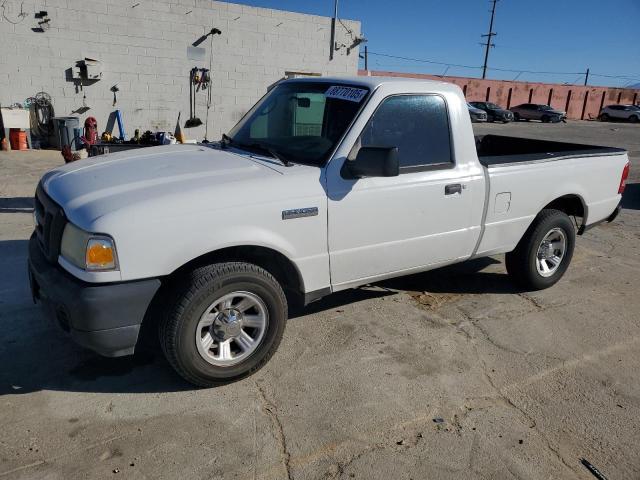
<point>373,162</point>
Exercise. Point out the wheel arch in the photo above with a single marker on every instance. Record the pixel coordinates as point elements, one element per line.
<point>273,261</point>
<point>285,271</point>
<point>573,205</point>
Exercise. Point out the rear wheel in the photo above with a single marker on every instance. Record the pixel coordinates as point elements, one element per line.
<point>545,119</point>
<point>543,254</point>
<point>225,322</point>
<point>604,117</point>
<point>516,117</point>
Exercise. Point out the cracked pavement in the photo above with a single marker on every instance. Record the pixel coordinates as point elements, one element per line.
<point>448,374</point>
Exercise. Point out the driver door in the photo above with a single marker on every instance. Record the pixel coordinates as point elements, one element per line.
<point>381,226</point>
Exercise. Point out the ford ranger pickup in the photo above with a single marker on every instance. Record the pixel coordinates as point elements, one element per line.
<point>325,184</point>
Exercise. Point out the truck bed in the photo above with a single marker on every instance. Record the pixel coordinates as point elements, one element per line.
<point>500,150</point>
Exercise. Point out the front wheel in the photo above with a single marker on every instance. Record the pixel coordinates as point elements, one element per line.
<point>633,119</point>
<point>543,254</point>
<point>225,322</point>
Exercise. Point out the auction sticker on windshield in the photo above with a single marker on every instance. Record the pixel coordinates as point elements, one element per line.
<point>346,93</point>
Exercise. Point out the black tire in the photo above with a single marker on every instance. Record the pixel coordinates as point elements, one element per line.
<point>545,119</point>
<point>516,117</point>
<point>604,117</point>
<point>193,294</point>
<point>521,262</point>
<point>633,119</point>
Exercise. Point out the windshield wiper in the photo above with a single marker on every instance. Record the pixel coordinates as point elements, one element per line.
<point>228,141</point>
<point>265,149</point>
<point>278,156</point>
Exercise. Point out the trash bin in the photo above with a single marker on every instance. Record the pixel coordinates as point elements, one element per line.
<point>18,139</point>
<point>63,131</point>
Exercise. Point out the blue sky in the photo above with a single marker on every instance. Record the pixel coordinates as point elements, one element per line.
<point>542,35</point>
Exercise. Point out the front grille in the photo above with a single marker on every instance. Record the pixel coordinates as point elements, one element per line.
<point>50,222</point>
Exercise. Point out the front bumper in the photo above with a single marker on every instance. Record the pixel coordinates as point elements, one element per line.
<point>105,318</point>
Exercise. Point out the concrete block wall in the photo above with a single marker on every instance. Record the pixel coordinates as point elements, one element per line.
<point>142,45</point>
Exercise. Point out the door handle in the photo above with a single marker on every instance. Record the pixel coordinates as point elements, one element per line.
<point>453,188</point>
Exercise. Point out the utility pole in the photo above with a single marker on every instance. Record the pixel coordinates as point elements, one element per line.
<point>333,29</point>
<point>365,57</point>
<point>586,77</point>
<point>489,35</point>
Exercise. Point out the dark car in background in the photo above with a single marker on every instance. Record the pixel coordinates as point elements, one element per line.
<point>495,113</point>
<point>476,114</point>
<point>535,111</point>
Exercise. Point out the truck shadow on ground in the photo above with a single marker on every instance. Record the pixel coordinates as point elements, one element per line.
<point>631,196</point>
<point>16,205</point>
<point>462,278</point>
<point>36,355</point>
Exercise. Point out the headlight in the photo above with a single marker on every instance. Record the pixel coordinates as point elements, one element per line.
<point>89,251</point>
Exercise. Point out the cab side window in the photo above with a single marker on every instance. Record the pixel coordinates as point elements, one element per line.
<point>418,125</point>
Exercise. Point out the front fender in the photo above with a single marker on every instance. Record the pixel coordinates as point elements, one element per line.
<point>160,248</point>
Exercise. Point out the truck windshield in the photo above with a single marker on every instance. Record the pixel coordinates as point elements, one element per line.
<point>300,121</point>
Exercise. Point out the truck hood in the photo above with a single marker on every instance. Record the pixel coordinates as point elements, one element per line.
<point>157,181</point>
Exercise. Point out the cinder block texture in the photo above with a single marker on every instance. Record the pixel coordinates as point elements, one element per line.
<point>142,45</point>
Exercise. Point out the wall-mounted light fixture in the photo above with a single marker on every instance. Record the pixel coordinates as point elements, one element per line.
<point>356,41</point>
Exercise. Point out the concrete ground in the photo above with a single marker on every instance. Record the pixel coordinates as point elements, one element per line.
<point>450,374</point>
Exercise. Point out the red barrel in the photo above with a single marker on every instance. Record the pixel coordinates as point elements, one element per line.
<point>18,139</point>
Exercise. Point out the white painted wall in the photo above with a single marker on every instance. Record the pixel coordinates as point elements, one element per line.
<point>144,51</point>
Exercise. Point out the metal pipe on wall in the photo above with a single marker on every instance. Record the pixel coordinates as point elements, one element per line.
<point>333,29</point>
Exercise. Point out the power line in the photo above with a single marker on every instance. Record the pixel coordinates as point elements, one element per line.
<point>448,64</point>
<point>623,77</point>
<point>422,60</point>
<point>347,29</point>
<point>534,71</point>
<point>499,69</point>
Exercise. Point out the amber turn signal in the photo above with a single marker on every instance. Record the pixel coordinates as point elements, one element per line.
<point>100,254</point>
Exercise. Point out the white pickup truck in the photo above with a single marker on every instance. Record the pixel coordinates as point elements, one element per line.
<point>325,184</point>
